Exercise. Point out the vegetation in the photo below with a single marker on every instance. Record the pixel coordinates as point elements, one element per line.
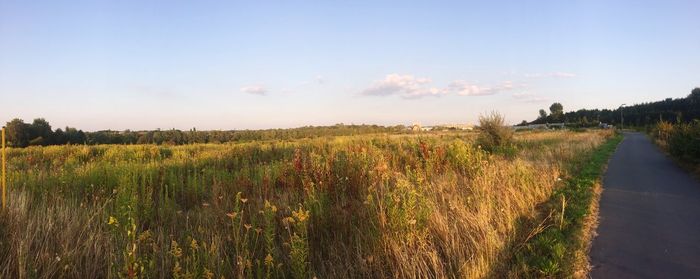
<point>381,206</point>
<point>494,132</point>
<point>681,110</point>
<point>682,140</point>
<point>557,246</point>
<point>20,134</point>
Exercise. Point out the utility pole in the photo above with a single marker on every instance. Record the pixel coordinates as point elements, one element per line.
<point>622,118</point>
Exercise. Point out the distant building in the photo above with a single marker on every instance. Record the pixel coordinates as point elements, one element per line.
<point>546,126</point>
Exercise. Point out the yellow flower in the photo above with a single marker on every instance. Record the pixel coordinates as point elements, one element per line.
<point>194,245</point>
<point>175,250</point>
<point>113,221</point>
<point>300,215</point>
<point>208,274</point>
<point>269,260</point>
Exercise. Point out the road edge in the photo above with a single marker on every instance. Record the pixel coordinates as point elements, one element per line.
<point>559,246</point>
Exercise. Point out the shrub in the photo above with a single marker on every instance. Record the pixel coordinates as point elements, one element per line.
<point>494,133</point>
<point>684,142</point>
<point>663,131</point>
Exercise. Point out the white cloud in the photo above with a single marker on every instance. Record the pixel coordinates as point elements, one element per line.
<point>411,87</point>
<point>406,86</point>
<point>467,89</point>
<point>529,97</point>
<point>320,79</point>
<point>551,75</point>
<point>254,89</point>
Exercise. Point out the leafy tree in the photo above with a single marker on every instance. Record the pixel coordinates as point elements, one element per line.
<point>59,137</point>
<point>543,114</point>
<point>17,133</point>
<point>40,132</point>
<point>556,109</point>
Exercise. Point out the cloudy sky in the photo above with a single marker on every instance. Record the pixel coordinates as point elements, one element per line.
<point>256,64</point>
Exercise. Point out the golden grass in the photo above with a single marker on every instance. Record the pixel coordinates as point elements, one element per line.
<point>429,206</point>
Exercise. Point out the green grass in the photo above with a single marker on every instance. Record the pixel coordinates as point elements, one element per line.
<point>550,250</point>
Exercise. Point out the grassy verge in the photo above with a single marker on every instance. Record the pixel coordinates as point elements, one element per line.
<point>557,246</point>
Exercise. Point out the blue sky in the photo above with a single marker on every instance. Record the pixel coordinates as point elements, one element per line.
<point>241,65</point>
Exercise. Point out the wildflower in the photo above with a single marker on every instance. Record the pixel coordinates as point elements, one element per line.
<point>232,215</point>
<point>300,215</point>
<point>145,236</point>
<point>194,245</point>
<point>247,226</point>
<point>177,269</point>
<point>208,274</point>
<point>269,260</point>
<point>206,204</point>
<point>113,221</point>
<point>175,250</point>
<point>412,222</point>
<point>244,200</point>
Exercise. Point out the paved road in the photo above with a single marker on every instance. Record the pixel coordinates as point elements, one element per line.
<point>649,216</point>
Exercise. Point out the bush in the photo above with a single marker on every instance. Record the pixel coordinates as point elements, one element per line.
<point>684,142</point>
<point>663,131</point>
<point>494,133</point>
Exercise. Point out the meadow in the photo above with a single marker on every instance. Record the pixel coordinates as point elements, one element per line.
<point>431,205</point>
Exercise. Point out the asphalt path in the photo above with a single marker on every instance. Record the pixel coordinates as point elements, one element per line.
<point>649,224</point>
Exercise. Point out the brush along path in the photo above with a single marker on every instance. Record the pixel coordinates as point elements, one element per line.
<point>649,216</point>
<point>554,243</point>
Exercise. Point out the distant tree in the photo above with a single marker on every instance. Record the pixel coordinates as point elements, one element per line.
<point>18,133</point>
<point>543,113</point>
<point>59,137</point>
<point>40,132</point>
<point>694,97</point>
<point>75,136</point>
<point>556,109</point>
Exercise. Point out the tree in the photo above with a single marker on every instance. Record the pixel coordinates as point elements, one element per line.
<point>74,136</point>
<point>59,137</point>
<point>543,114</point>
<point>40,132</point>
<point>556,109</point>
<point>17,133</point>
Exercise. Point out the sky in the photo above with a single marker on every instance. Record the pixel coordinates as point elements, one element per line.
<point>121,64</point>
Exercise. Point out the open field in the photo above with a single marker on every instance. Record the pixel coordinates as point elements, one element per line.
<point>383,206</point>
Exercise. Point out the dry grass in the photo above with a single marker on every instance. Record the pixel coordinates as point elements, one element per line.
<point>430,206</point>
<point>581,261</point>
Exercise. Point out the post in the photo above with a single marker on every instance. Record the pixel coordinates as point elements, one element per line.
<point>622,120</point>
<point>4,170</point>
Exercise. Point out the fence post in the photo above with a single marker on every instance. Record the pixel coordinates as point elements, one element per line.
<point>4,171</point>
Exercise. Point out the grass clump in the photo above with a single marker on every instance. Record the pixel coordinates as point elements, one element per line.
<point>494,133</point>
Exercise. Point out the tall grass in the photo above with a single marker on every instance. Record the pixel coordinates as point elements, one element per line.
<point>345,207</point>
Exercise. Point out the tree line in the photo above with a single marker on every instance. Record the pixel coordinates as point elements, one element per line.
<point>40,133</point>
<point>679,110</point>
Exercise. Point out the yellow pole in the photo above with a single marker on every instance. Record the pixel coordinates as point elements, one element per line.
<point>4,166</point>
